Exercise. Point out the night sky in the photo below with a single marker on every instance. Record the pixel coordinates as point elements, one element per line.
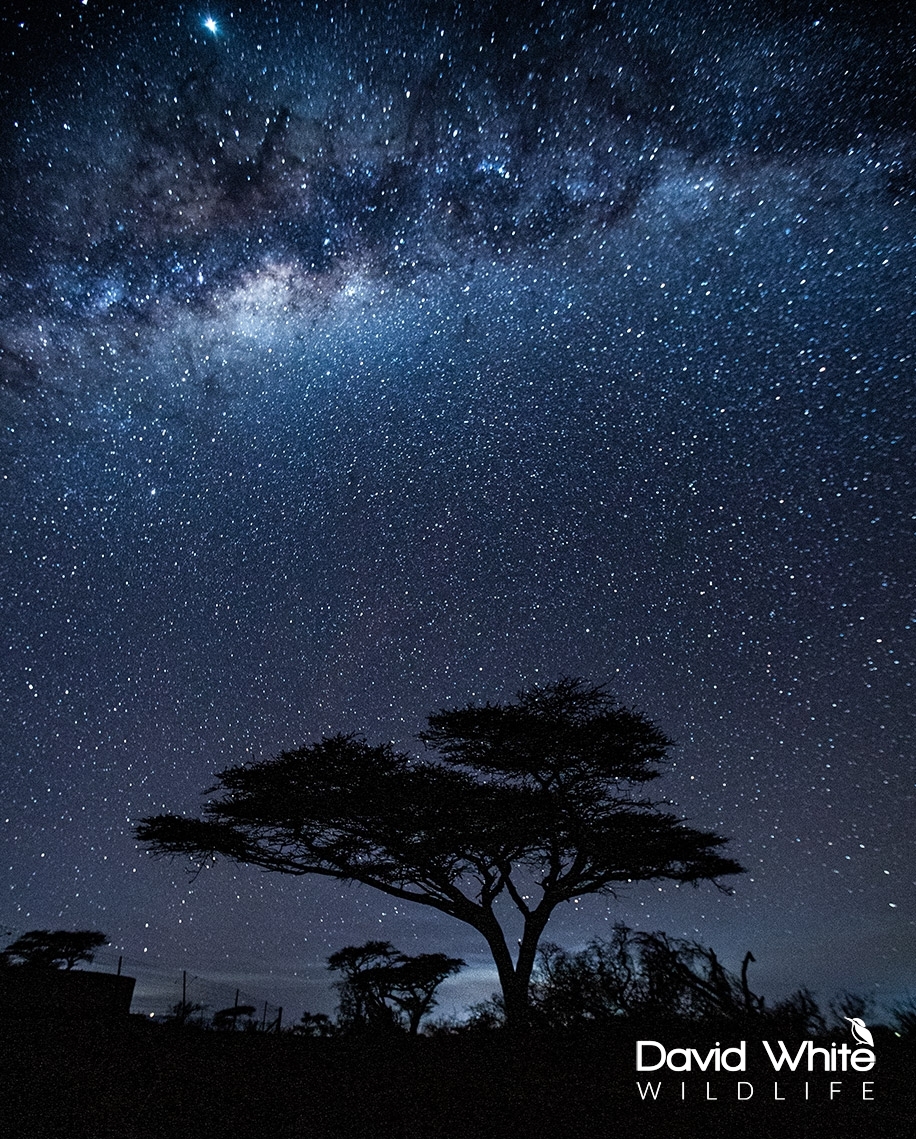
<point>359,361</point>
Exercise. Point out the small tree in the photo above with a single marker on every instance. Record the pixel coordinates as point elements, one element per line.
<point>229,1019</point>
<point>532,803</point>
<point>380,983</point>
<point>363,987</point>
<point>413,983</point>
<point>185,1014</point>
<point>54,949</point>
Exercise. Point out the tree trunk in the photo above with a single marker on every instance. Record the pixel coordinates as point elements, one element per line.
<point>535,924</point>
<point>515,979</point>
<point>515,998</point>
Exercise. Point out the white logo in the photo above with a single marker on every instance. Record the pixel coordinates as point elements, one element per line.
<point>860,1032</point>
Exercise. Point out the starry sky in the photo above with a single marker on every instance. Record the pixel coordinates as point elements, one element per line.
<point>362,360</point>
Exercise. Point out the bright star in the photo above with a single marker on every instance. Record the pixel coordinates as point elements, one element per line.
<point>211,25</point>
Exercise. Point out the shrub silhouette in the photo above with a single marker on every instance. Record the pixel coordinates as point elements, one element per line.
<point>652,976</point>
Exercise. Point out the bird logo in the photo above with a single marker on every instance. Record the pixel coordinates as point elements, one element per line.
<point>860,1032</point>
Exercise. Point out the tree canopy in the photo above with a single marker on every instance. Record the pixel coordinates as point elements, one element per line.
<point>531,802</point>
<point>53,949</point>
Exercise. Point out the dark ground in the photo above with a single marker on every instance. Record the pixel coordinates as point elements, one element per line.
<point>139,1082</point>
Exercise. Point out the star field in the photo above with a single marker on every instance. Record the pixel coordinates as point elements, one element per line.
<point>361,361</point>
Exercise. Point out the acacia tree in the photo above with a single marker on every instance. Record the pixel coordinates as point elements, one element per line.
<point>53,948</point>
<point>413,983</point>
<point>379,983</point>
<point>530,804</point>
<point>229,1019</point>
<point>362,1003</point>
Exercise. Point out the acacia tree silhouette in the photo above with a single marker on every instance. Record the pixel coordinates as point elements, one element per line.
<point>379,983</point>
<point>362,1003</point>
<point>413,982</point>
<point>529,802</point>
<point>53,949</point>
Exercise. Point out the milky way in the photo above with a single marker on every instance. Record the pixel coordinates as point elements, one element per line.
<point>358,362</point>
